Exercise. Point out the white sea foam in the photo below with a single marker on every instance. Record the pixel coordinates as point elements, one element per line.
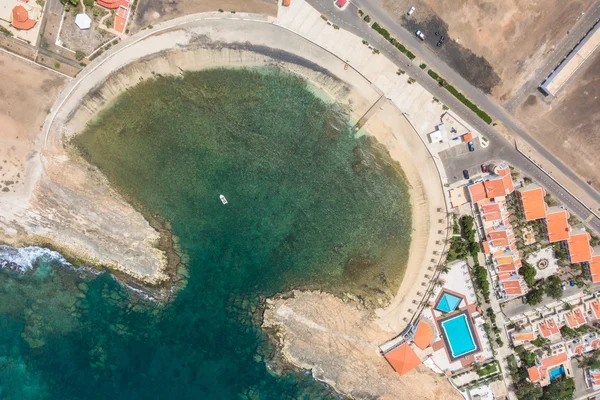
<point>25,258</point>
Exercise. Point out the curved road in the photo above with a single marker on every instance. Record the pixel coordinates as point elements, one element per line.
<point>500,148</point>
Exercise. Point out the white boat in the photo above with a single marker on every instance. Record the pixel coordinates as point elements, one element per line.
<point>223,199</point>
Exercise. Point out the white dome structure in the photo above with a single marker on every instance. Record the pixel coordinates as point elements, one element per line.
<point>83,21</point>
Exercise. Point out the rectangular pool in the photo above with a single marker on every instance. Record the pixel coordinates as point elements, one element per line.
<point>459,335</point>
<point>556,372</point>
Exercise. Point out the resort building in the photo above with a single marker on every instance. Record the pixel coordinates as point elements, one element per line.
<point>121,8</point>
<point>531,198</point>
<point>575,318</point>
<point>20,14</point>
<point>551,367</point>
<point>522,337</point>
<point>578,246</point>
<point>548,328</point>
<point>593,378</point>
<point>402,358</point>
<point>557,225</point>
<point>449,335</point>
<point>488,198</point>
<point>595,265</point>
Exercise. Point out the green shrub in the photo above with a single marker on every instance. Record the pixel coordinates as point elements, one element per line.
<point>461,97</point>
<point>324,18</point>
<point>79,55</point>
<point>367,19</point>
<point>57,65</point>
<point>335,26</point>
<point>423,66</point>
<point>383,32</point>
<point>6,31</point>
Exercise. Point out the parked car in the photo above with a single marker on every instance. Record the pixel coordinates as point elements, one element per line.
<point>466,174</point>
<point>412,10</point>
<point>420,35</point>
<point>471,146</point>
<point>439,44</point>
<point>484,168</point>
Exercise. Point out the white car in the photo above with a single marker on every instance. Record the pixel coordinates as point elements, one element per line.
<point>412,10</point>
<point>420,35</point>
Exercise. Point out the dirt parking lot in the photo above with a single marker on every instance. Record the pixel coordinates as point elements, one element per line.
<point>27,91</point>
<point>569,126</point>
<point>153,11</point>
<point>496,45</point>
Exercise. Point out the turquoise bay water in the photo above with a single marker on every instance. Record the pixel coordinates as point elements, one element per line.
<point>310,206</point>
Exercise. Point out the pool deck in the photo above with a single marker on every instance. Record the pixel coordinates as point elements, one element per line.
<point>471,328</point>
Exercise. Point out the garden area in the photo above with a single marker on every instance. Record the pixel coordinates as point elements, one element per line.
<point>85,41</point>
<point>560,389</point>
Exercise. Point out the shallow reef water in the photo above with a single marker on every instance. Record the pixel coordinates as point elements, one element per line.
<point>310,205</point>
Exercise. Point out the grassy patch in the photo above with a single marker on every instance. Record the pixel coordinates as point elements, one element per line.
<point>383,32</point>
<point>461,97</point>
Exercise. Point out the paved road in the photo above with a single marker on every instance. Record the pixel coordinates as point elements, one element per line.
<point>499,148</point>
<point>563,49</point>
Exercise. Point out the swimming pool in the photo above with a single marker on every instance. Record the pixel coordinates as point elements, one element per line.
<point>448,302</point>
<point>459,335</point>
<point>556,372</point>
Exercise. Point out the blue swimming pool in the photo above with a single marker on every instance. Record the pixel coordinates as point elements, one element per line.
<point>448,302</point>
<point>459,335</point>
<point>556,372</point>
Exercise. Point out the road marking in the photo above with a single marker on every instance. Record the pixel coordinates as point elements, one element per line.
<point>591,217</point>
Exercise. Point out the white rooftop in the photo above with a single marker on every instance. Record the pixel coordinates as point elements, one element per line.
<point>83,21</point>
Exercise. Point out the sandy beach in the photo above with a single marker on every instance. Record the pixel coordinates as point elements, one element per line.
<point>70,206</point>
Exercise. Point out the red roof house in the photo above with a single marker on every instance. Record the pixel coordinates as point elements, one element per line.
<point>20,18</point>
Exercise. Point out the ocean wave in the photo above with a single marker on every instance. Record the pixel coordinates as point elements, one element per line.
<point>24,259</point>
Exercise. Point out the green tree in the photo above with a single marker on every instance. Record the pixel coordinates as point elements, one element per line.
<point>528,391</point>
<point>534,297</point>
<point>528,273</point>
<point>560,389</point>
<point>554,287</point>
<point>568,332</point>
<point>540,342</point>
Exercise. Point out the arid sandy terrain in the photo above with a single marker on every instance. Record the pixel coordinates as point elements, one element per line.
<point>27,92</point>
<point>154,11</point>
<point>569,125</point>
<point>496,45</point>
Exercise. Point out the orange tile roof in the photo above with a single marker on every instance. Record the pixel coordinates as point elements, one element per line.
<point>524,336</point>
<point>554,360</point>
<point>477,192</point>
<point>596,377</point>
<point>495,188</point>
<point>512,284</point>
<point>467,137</point>
<point>595,270</point>
<point>595,308</point>
<point>575,318</point>
<point>491,212</point>
<point>508,183</point>
<point>287,3</point>
<point>507,268</point>
<point>503,259</point>
<point>595,343</point>
<point>514,291</point>
<point>423,335</point>
<point>486,247</point>
<point>20,18</point>
<point>548,328</point>
<point>503,170</point>
<point>534,374</point>
<point>533,203</point>
<point>502,276</point>
<point>557,225</point>
<point>403,359</point>
<point>579,247</point>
